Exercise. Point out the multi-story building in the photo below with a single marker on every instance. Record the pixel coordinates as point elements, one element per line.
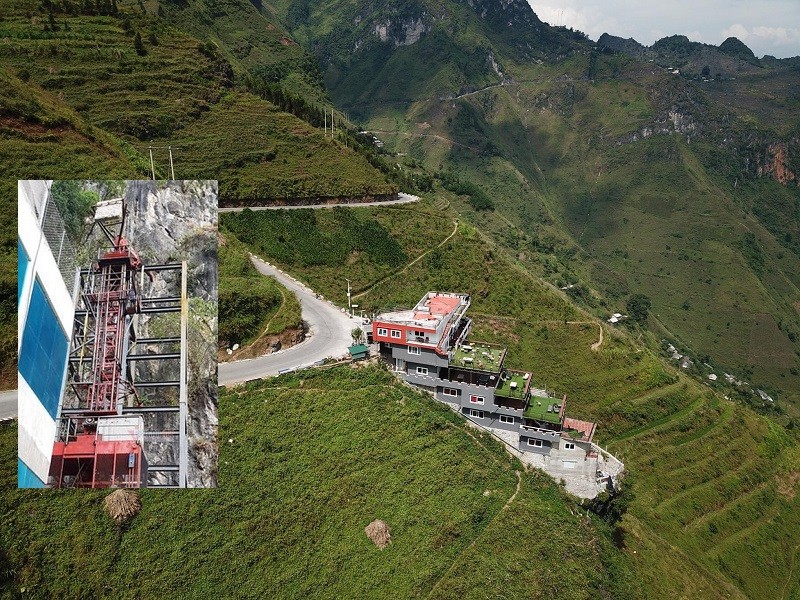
<point>427,347</point>
<point>45,292</point>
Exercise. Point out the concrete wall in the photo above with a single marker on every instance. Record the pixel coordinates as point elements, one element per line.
<point>425,357</point>
<point>497,424</point>
<point>524,447</point>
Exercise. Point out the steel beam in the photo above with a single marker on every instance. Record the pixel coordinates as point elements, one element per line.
<point>183,453</point>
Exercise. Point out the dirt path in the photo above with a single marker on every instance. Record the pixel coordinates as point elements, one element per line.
<point>283,303</point>
<point>516,491</point>
<point>596,346</point>
<point>791,570</point>
<point>412,263</point>
<point>473,542</point>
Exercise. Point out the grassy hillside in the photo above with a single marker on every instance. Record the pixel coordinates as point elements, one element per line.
<point>613,175</point>
<point>288,517</point>
<point>151,77</point>
<point>250,304</point>
<point>40,136</point>
<point>715,484</point>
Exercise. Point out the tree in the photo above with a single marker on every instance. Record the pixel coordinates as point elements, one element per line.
<point>138,45</point>
<point>357,334</point>
<point>706,72</point>
<point>612,506</point>
<point>638,308</point>
<point>75,205</point>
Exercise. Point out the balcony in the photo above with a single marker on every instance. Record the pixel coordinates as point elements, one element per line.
<point>514,387</point>
<point>537,433</point>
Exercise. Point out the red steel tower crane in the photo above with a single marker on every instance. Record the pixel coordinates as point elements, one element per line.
<point>96,445</point>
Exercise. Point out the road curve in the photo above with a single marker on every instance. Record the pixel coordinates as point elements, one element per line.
<point>401,199</point>
<point>8,405</point>
<point>328,335</point>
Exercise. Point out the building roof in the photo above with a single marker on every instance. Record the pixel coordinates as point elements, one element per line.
<point>358,350</point>
<point>479,356</point>
<point>429,312</point>
<point>515,386</point>
<point>542,408</point>
<point>585,428</point>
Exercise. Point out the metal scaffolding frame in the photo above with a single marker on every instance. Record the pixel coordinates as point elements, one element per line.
<point>102,382</point>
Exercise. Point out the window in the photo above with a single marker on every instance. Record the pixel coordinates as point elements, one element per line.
<point>395,333</point>
<point>422,370</point>
<point>450,392</point>
<point>478,414</point>
<point>506,419</point>
<point>382,331</point>
<point>413,350</point>
<point>569,446</point>
<point>535,443</point>
<point>419,333</point>
<point>44,350</point>
<point>476,399</point>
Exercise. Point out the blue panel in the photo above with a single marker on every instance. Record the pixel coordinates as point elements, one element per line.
<point>44,351</point>
<point>27,478</point>
<point>22,267</point>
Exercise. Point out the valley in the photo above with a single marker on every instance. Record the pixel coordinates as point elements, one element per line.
<point>558,179</point>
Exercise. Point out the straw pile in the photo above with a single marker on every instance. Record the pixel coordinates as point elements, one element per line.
<point>123,505</point>
<point>378,532</point>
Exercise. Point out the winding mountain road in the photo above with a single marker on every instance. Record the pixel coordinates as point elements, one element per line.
<point>402,198</point>
<point>8,404</point>
<point>328,335</point>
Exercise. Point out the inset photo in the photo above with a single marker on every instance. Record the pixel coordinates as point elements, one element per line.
<point>117,296</point>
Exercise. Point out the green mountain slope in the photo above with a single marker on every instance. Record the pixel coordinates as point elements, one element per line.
<point>604,171</point>
<point>40,136</point>
<point>715,484</point>
<point>152,77</point>
<point>288,518</point>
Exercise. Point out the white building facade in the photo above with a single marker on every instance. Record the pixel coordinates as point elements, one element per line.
<point>45,299</point>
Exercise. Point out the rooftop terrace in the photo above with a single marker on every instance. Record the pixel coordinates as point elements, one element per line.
<point>429,312</point>
<point>541,408</point>
<point>516,386</point>
<point>479,356</point>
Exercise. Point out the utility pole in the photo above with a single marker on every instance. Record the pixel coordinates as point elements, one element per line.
<point>152,167</point>
<point>349,306</point>
<point>171,166</point>
<point>326,122</point>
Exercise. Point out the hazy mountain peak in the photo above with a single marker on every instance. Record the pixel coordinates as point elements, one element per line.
<point>737,48</point>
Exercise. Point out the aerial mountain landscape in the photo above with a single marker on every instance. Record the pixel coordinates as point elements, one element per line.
<point>561,180</point>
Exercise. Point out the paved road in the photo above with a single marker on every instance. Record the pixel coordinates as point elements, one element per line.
<point>402,199</point>
<point>8,404</point>
<point>328,336</point>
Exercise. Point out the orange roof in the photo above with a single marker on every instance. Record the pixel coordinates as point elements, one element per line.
<point>442,305</point>
<point>585,427</point>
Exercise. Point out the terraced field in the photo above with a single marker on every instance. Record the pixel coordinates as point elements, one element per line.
<point>716,486</point>
<point>714,481</point>
<point>176,89</point>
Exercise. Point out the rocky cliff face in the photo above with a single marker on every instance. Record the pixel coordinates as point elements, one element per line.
<point>166,223</point>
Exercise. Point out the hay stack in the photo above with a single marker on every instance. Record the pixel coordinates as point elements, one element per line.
<point>123,505</point>
<point>378,532</point>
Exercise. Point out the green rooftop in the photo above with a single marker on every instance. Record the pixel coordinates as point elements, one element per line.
<point>514,387</point>
<point>537,409</point>
<point>482,357</point>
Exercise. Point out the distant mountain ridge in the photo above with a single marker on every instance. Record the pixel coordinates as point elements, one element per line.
<point>731,58</point>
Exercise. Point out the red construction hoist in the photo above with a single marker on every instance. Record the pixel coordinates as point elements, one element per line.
<point>96,445</point>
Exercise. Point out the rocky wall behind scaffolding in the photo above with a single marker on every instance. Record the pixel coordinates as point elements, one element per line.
<point>168,222</point>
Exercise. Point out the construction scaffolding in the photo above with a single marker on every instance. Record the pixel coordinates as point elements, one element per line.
<point>121,423</point>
